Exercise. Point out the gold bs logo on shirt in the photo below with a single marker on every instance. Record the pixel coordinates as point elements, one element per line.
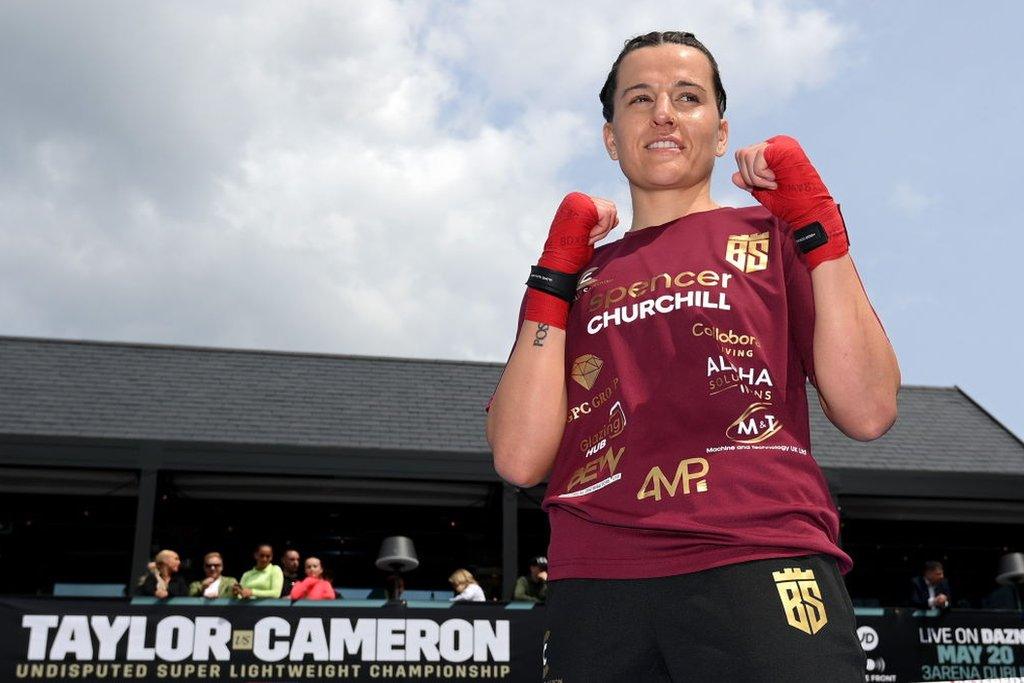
<point>749,253</point>
<point>801,599</point>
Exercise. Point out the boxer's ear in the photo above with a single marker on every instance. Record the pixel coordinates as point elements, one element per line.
<point>723,138</point>
<point>609,141</point>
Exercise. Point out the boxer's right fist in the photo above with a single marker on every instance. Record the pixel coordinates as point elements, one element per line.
<point>607,218</point>
<point>579,222</point>
<point>568,248</point>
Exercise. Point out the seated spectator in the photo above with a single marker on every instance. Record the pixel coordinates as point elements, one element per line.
<point>314,586</point>
<point>163,581</point>
<point>215,585</point>
<point>262,581</point>
<point>931,590</point>
<point>290,569</point>
<point>533,588</point>
<point>465,586</point>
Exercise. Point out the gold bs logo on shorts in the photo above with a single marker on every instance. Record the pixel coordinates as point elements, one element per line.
<point>801,599</point>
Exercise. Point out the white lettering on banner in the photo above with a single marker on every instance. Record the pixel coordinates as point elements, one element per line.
<point>38,626</point>
<point>137,650</point>
<point>422,639</point>
<point>346,638</point>
<point>175,638</point>
<point>493,643</point>
<point>1003,636</point>
<point>109,632</point>
<point>651,307</point>
<point>72,638</point>
<point>457,631</point>
<point>309,640</point>
<point>213,635</point>
<point>262,647</point>
<point>935,635</point>
<point>178,637</point>
<point>390,639</point>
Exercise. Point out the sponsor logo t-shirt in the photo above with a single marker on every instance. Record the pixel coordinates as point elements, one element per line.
<point>686,443</point>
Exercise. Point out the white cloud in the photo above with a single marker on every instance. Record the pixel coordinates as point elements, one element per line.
<point>323,176</point>
<point>910,200</point>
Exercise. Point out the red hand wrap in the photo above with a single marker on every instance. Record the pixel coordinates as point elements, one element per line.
<point>567,250</point>
<point>801,198</point>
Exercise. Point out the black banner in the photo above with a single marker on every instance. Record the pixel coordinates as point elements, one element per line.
<point>958,645</point>
<point>62,640</point>
<point>94,640</point>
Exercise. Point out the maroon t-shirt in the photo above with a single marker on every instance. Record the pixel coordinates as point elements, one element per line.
<point>686,443</point>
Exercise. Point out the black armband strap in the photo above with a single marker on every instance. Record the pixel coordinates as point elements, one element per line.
<point>810,237</point>
<point>553,282</point>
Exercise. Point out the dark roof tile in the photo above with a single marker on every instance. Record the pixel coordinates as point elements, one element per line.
<point>174,393</point>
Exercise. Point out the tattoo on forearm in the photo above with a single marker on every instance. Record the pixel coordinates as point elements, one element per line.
<point>542,334</point>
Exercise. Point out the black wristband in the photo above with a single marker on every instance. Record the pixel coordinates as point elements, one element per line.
<point>810,237</point>
<point>553,282</point>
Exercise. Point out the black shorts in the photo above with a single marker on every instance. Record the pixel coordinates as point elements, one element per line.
<point>786,619</point>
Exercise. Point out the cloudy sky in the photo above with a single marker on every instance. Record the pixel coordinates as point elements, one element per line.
<point>377,177</point>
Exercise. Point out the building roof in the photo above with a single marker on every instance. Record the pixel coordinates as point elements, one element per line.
<point>158,393</point>
<point>177,393</point>
<point>939,429</point>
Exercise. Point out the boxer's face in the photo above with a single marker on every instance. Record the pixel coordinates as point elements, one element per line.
<point>666,92</point>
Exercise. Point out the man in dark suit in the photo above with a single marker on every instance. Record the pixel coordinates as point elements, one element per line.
<point>931,590</point>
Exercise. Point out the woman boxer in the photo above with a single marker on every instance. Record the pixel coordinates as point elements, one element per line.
<point>658,382</point>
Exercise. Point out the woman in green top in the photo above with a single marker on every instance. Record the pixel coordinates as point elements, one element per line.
<point>215,585</point>
<point>264,580</point>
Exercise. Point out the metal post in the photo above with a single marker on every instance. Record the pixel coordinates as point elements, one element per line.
<point>143,524</point>
<point>509,539</point>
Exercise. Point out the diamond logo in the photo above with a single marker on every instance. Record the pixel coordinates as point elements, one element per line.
<point>585,370</point>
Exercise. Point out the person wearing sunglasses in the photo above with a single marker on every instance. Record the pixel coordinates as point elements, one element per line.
<point>262,581</point>
<point>658,383</point>
<point>215,585</point>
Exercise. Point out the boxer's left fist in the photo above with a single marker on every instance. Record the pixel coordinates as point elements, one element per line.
<point>780,176</point>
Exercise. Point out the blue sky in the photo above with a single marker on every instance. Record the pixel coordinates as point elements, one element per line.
<point>376,178</point>
<point>917,135</point>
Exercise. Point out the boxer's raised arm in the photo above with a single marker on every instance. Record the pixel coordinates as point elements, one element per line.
<point>527,413</point>
<point>855,367</point>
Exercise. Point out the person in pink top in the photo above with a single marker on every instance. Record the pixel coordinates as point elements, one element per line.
<point>658,384</point>
<point>314,586</point>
